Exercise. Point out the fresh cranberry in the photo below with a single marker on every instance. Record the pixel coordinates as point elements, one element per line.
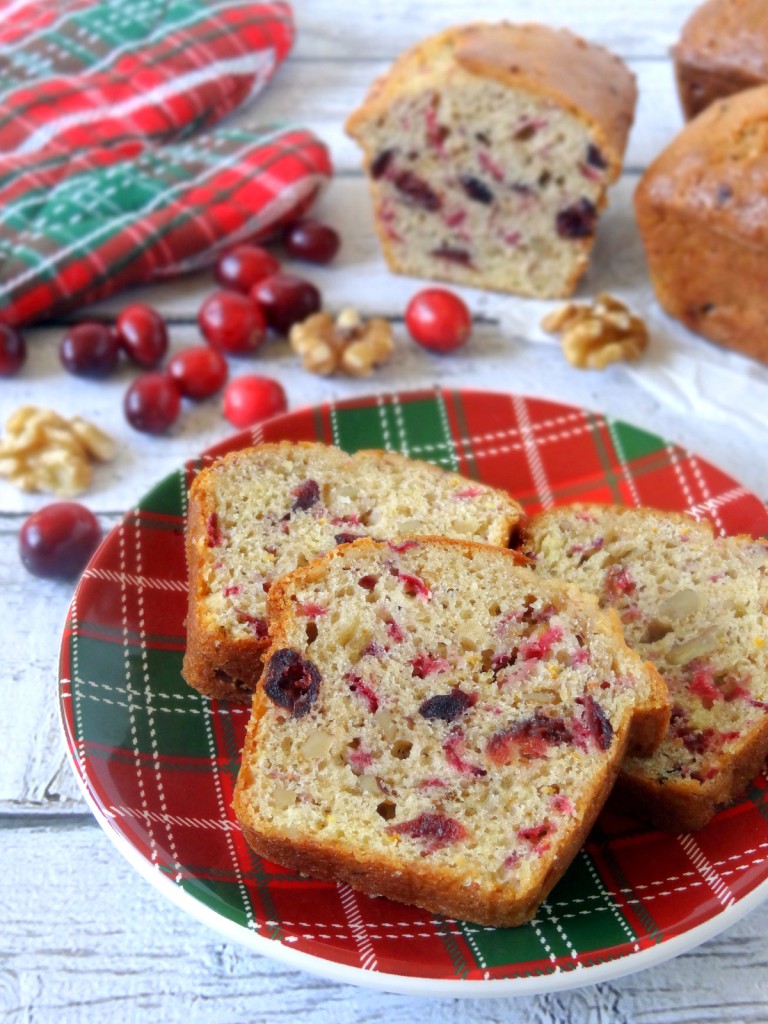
<point>59,539</point>
<point>232,322</point>
<point>438,320</point>
<point>311,240</point>
<point>199,372</point>
<point>90,349</point>
<point>250,399</point>
<point>286,300</point>
<point>152,403</point>
<point>13,351</point>
<point>244,266</point>
<point>143,335</point>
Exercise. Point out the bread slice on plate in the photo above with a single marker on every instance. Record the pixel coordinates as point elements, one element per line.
<point>696,605</point>
<point>263,511</point>
<point>438,725</point>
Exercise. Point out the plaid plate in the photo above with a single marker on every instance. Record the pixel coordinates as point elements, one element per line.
<point>76,228</point>
<point>85,73</point>
<point>160,761</point>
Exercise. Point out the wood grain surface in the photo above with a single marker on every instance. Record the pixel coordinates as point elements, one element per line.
<point>84,938</point>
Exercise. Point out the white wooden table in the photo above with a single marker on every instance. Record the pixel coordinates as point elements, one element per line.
<point>83,937</point>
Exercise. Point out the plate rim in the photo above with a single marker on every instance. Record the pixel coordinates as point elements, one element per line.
<point>559,980</point>
<point>401,984</point>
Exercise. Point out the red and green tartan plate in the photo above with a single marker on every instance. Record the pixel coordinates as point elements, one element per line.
<point>158,762</point>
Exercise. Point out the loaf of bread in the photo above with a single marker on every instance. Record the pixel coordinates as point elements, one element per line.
<point>696,605</point>
<point>702,211</point>
<point>437,724</point>
<point>723,49</point>
<point>261,512</point>
<point>489,150</point>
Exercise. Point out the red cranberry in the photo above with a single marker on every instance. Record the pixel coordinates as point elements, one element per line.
<point>250,399</point>
<point>152,403</point>
<point>438,320</point>
<point>90,349</point>
<point>311,240</point>
<point>232,322</point>
<point>199,372</point>
<point>292,682</point>
<point>143,335</point>
<point>286,300</point>
<point>59,539</point>
<point>579,220</point>
<point>13,351</point>
<point>244,266</point>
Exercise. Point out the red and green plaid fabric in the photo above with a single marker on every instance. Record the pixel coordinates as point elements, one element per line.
<point>159,761</point>
<point>80,73</point>
<point>110,172</point>
<point>76,229</point>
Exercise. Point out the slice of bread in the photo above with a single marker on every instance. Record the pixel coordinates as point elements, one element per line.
<point>696,605</point>
<point>439,725</point>
<point>261,512</point>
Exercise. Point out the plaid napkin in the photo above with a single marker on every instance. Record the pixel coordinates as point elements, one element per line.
<point>110,173</point>
<point>77,73</point>
<point>76,229</point>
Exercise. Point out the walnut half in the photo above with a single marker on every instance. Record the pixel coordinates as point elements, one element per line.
<point>42,451</point>
<point>593,336</point>
<point>349,343</point>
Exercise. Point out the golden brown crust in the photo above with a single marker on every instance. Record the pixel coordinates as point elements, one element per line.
<point>685,805</point>
<point>554,63</point>
<point>723,49</point>
<point>585,79</point>
<point>216,664</point>
<point>702,212</point>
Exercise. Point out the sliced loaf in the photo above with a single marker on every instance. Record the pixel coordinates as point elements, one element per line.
<point>696,605</point>
<point>437,724</point>
<point>489,149</point>
<point>261,512</point>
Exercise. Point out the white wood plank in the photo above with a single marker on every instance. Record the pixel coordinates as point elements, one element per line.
<point>97,944</point>
<point>85,938</point>
<point>343,28</point>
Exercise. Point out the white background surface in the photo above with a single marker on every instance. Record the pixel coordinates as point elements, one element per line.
<point>84,938</point>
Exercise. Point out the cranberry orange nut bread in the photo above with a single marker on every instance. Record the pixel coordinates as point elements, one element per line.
<point>723,49</point>
<point>489,150</point>
<point>438,725</point>
<point>702,211</point>
<point>259,513</point>
<point>695,605</point>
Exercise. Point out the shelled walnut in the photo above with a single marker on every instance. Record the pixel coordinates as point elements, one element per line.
<point>348,343</point>
<point>593,336</point>
<point>42,451</point>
